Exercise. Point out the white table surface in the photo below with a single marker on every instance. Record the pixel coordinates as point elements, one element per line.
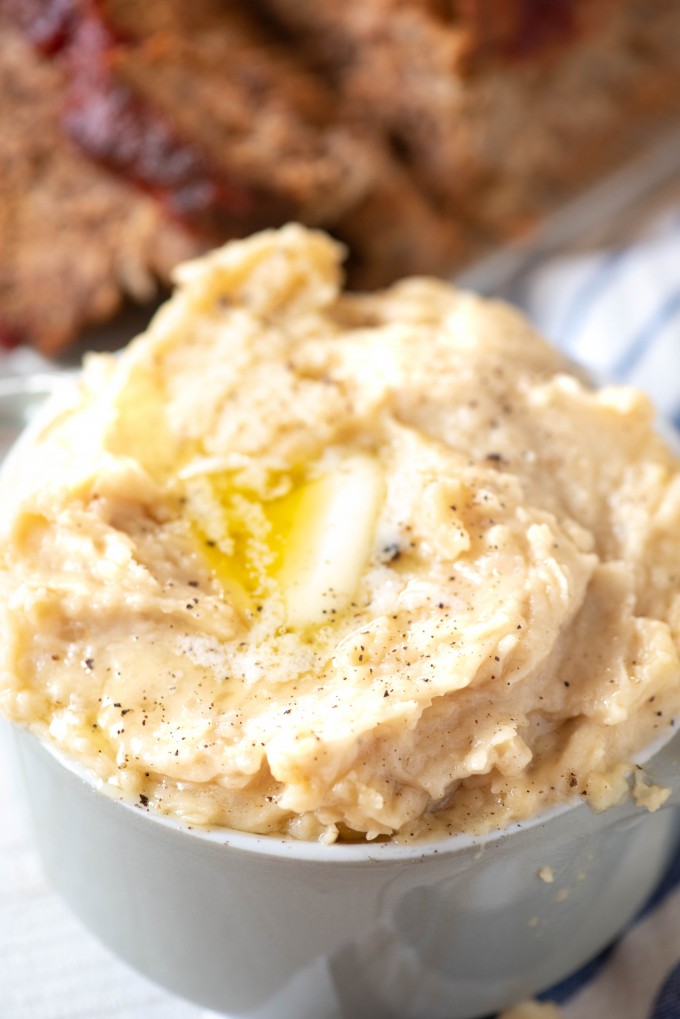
<point>50,966</point>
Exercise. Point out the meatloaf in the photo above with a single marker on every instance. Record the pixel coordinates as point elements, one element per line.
<point>418,131</point>
<point>74,240</point>
<point>499,109</point>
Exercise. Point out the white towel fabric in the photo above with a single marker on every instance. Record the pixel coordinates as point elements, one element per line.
<point>617,311</point>
<point>612,301</point>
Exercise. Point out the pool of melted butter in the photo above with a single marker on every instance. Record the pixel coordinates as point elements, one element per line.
<point>308,545</point>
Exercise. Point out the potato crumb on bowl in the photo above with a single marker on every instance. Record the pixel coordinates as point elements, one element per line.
<point>533,1010</point>
<point>342,566</point>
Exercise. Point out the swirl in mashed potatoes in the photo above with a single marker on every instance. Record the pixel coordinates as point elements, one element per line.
<point>335,565</point>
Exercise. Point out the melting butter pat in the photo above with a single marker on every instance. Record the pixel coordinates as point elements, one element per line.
<point>308,546</point>
<point>328,540</point>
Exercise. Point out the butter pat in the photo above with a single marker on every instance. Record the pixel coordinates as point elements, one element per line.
<point>327,547</point>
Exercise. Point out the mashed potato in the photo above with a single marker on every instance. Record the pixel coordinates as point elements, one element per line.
<point>342,566</point>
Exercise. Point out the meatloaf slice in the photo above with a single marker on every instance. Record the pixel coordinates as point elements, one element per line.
<point>175,113</point>
<point>264,125</point>
<point>500,109</point>
<point>73,240</point>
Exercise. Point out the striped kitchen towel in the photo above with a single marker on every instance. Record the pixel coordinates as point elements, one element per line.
<point>617,312</point>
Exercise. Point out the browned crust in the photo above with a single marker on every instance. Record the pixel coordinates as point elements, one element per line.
<point>499,114</point>
<point>75,241</point>
<point>414,130</point>
<point>271,122</point>
<point>142,90</point>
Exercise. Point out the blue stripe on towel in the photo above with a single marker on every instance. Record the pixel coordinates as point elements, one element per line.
<point>587,295</point>
<point>664,314</point>
<point>560,993</point>
<point>666,1002</point>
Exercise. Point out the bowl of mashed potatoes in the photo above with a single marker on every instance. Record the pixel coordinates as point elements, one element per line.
<point>341,633</point>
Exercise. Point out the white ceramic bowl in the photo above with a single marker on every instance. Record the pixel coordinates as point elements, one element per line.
<point>277,929</point>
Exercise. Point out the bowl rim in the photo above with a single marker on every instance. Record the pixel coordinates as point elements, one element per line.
<point>283,847</point>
